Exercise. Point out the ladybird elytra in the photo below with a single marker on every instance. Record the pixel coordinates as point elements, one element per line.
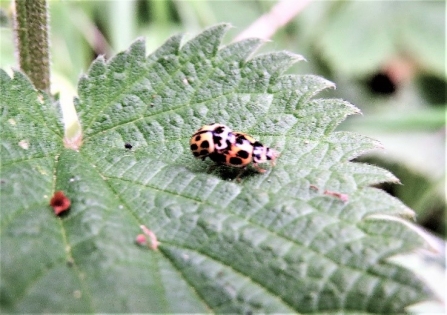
<point>209,139</point>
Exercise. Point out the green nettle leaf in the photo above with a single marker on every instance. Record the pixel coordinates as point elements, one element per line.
<point>302,237</point>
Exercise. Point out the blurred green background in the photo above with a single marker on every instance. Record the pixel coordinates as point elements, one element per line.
<point>388,58</point>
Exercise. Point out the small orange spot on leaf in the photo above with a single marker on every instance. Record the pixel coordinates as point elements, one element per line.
<point>59,202</point>
<point>342,197</point>
<point>141,239</point>
<point>147,239</point>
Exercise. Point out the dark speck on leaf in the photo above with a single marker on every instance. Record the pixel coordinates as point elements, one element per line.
<point>70,262</point>
<point>128,146</point>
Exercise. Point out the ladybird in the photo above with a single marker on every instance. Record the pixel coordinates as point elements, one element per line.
<point>209,139</point>
<point>243,151</point>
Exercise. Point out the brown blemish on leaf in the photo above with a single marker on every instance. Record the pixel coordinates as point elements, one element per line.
<point>59,202</point>
<point>342,197</point>
<point>148,239</point>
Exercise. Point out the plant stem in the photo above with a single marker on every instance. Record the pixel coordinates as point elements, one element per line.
<point>31,26</point>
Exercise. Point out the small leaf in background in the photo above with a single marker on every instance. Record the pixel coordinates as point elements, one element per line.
<point>412,31</point>
<point>274,243</point>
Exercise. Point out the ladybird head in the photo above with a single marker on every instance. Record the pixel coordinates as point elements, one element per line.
<point>262,154</point>
<point>271,155</point>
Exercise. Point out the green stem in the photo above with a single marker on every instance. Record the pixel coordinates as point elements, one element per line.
<point>22,35</point>
<point>32,41</point>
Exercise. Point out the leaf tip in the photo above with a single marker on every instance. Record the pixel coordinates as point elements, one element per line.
<point>224,25</point>
<point>331,85</point>
<point>431,241</point>
<point>298,57</point>
<point>395,180</point>
<point>263,40</point>
<point>378,144</point>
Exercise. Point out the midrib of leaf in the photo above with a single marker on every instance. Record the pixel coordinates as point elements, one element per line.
<point>71,260</point>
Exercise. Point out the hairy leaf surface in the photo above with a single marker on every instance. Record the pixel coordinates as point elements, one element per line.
<point>285,241</point>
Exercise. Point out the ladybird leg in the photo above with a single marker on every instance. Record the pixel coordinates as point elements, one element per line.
<point>260,170</point>
<point>274,157</point>
<point>211,168</point>
<point>238,177</point>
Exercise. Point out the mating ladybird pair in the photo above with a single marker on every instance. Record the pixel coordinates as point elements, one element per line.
<point>224,146</point>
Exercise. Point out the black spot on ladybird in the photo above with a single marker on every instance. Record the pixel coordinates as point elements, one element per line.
<point>204,152</point>
<point>239,140</point>
<point>198,138</point>
<point>243,154</point>
<point>217,140</point>
<point>235,161</point>
<point>219,129</point>
<point>205,144</point>
<point>194,147</point>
